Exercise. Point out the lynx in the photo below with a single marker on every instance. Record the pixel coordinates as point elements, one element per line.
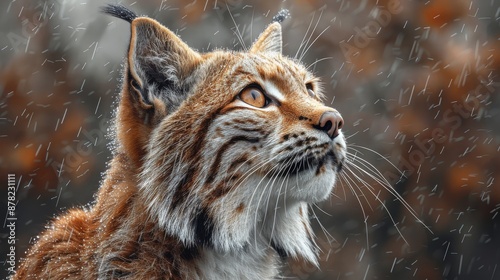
<point>218,156</point>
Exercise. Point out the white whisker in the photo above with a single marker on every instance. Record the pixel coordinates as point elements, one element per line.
<point>360,204</point>
<point>237,32</point>
<point>314,41</point>
<point>377,153</point>
<point>318,60</point>
<point>323,229</point>
<point>277,202</point>
<point>382,181</point>
<point>302,43</point>
<point>381,202</point>
<point>305,49</point>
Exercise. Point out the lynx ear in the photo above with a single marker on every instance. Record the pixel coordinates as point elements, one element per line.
<point>157,79</point>
<point>158,63</point>
<point>269,40</point>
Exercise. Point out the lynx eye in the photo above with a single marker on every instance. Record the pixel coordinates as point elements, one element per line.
<point>310,90</point>
<point>253,96</point>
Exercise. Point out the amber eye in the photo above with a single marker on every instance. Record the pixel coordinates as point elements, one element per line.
<point>253,96</point>
<point>310,90</point>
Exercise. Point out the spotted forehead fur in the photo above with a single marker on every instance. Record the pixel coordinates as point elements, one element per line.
<point>288,75</point>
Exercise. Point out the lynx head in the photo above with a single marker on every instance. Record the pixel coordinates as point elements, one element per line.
<point>229,147</point>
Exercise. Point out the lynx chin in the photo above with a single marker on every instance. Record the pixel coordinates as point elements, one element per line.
<point>218,157</point>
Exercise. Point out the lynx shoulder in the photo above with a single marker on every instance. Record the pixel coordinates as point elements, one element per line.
<point>218,156</point>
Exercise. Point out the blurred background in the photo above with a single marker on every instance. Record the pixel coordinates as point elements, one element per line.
<point>416,82</point>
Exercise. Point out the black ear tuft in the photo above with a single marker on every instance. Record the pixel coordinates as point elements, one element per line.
<point>119,11</point>
<point>281,16</point>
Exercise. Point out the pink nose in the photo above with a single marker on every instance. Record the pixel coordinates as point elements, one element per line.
<point>330,122</point>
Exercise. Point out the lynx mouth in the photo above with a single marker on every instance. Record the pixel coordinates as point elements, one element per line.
<point>302,165</point>
<point>312,162</point>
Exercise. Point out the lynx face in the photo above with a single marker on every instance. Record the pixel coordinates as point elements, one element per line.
<point>231,145</point>
<point>272,135</point>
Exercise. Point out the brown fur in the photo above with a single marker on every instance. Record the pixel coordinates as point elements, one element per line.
<point>122,235</point>
<point>77,237</point>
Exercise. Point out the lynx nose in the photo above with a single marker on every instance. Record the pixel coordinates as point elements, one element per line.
<point>330,122</point>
